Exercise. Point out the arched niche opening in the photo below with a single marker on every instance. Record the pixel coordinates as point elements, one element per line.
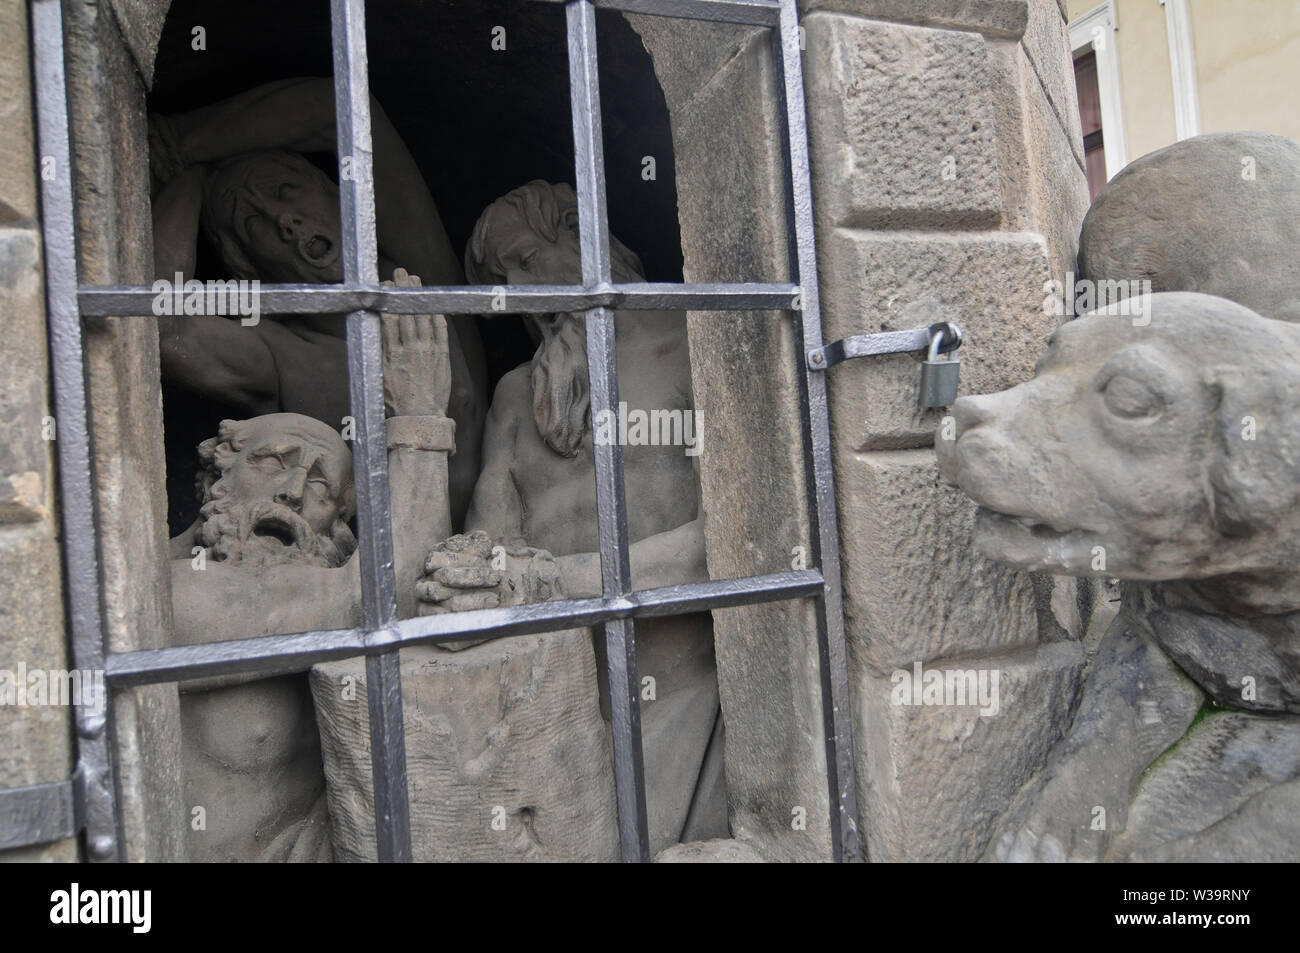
<point>480,95</point>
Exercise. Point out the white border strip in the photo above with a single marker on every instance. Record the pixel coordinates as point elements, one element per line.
<point>1182,64</point>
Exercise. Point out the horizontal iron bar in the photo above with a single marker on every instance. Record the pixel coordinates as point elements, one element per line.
<point>109,301</point>
<point>282,654</point>
<point>883,342</point>
<point>39,814</point>
<point>752,12</point>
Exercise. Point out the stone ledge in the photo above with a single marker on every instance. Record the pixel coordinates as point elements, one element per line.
<point>991,17</point>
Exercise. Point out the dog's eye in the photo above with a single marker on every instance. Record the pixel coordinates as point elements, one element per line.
<point>1129,397</point>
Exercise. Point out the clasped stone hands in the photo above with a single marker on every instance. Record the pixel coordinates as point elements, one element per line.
<point>467,572</point>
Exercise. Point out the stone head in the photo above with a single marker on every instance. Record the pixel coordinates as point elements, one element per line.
<point>277,488</point>
<point>530,237</point>
<point>1148,451</point>
<point>274,216</point>
<point>1219,214</point>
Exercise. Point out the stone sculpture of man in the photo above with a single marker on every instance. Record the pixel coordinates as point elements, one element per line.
<point>235,170</point>
<point>536,498</point>
<point>272,553</point>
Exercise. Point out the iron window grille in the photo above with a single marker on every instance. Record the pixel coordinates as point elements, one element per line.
<point>89,801</point>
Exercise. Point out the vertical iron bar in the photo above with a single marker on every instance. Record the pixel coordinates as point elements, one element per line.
<point>104,840</point>
<point>370,450</point>
<point>611,498</point>
<point>831,647</point>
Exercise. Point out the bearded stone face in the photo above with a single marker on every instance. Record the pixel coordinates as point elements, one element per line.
<point>530,237</point>
<point>275,216</point>
<point>278,489</point>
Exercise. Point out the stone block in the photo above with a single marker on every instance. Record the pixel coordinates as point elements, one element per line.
<point>1047,44</point>
<point>17,132</point>
<point>992,286</point>
<point>914,587</point>
<point>106,103</point>
<point>1057,185</point>
<point>25,457</point>
<point>990,17</point>
<point>901,126</point>
<point>934,778</point>
<point>36,739</point>
<point>507,756</point>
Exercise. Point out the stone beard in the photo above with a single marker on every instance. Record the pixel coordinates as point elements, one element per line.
<point>559,371</point>
<point>258,532</point>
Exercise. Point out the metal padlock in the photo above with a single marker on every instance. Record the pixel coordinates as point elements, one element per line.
<point>938,377</point>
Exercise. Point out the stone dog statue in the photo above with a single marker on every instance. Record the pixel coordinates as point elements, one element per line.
<point>1160,444</point>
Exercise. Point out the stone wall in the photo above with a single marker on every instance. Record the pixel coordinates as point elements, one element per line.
<point>106,105</point>
<point>947,184</point>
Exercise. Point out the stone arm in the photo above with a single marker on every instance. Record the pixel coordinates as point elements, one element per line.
<point>669,558</point>
<point>1135,704</point>
<point>298,115</point>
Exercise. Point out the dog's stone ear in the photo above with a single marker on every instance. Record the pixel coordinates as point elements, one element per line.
<point>1254,468</point>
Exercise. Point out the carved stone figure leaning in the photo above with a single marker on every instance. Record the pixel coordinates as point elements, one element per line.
<point>272,553</point>
<point>536,498</point>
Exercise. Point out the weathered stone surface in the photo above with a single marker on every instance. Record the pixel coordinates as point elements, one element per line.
<point>1006,18</point>
<point>18,144</point>
<point>36,739</point>
<point>1190,803</point>
<point>508,731</point>
<point>932,780</point>
<point>992,287</point>
<point>1047,44</point>
<point>1057,186</point>
<point>691,56</point>
<point>721,851</point>
<point>1217,214</point>
<point>751,472</point>
<point>900,125</point>
<point>141,24</point>
<point>107,106</point>
<point>914,588</point>
<point>25,456</point>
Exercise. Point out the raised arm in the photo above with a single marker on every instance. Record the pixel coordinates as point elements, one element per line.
<point>417,385</point>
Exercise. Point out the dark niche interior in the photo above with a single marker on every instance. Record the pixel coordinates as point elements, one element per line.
<point>479,121</point>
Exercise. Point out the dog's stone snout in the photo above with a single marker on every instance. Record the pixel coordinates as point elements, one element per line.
<point>967,413</point>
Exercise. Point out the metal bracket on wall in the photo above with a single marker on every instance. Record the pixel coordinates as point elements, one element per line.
<point>916,340</point>
<point>40,814</point>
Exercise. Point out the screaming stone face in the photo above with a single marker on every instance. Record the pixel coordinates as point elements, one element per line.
<point>275,216</point>
<point>284,493</point>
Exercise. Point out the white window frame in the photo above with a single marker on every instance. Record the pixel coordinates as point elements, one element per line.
<point>1095,31</point>
<point>1182,66</point>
